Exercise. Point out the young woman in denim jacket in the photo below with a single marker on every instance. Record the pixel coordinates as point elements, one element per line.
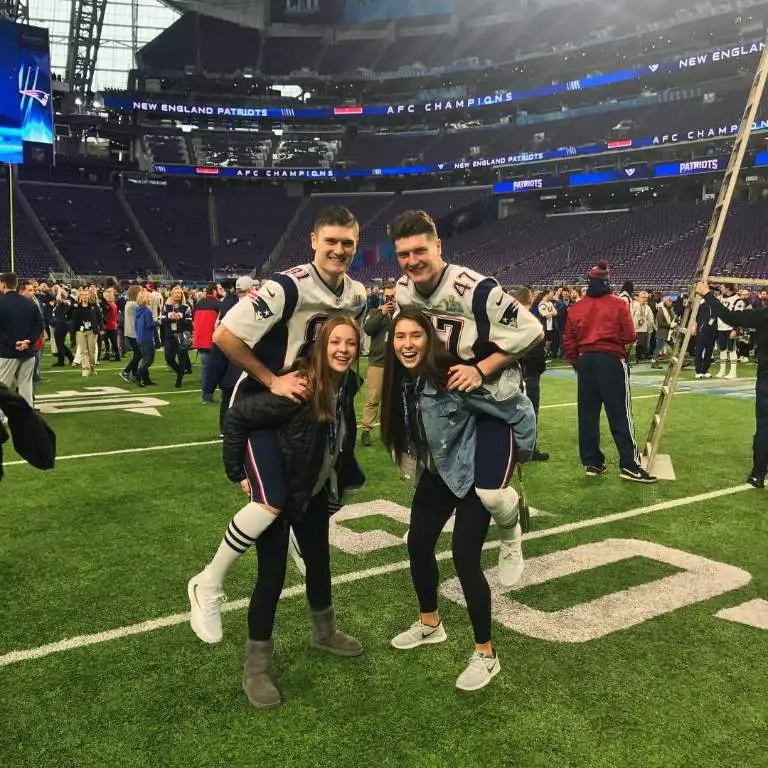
<point>431,433</point>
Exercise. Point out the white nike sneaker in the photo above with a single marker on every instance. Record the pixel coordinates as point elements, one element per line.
<point>205,600</point>
<point>511,558</point>
<point>479,672</point>
<point>419,634</point>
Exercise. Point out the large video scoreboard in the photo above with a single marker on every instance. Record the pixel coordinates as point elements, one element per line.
<point>26,108</point>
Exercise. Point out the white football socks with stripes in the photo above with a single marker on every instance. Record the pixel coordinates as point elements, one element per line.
<point>244,528</point>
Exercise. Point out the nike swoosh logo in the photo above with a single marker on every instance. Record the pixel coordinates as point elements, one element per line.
<point>272,295</point>
<point>427,634</point>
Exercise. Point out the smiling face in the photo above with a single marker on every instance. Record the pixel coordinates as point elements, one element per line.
<point>177,295</point>
<point>409,343</point>
<point>334,248</point>
<point>421,259</point>
<point>342,349</point>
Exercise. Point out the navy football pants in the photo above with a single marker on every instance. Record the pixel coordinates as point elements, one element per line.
<point>604,382</point>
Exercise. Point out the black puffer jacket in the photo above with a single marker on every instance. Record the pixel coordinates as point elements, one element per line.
<point>302,443</point>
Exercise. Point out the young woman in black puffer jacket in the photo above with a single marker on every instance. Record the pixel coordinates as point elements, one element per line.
<point>314,441</point>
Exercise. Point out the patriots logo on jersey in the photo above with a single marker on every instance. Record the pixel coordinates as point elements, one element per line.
<point>261,309</point>
<point>510,316</point>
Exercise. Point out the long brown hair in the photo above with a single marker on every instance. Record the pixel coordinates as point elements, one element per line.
<point>320,382</point>
<point>434,370</point>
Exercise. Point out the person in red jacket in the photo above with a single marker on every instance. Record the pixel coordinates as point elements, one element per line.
<point>109,328</point>
<point>205,318</point>
<point>598,332</point>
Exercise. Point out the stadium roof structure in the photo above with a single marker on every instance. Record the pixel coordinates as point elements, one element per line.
<point>249,13</point>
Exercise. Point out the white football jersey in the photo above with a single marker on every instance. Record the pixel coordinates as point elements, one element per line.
<point>282,321</point>
<point>735,303</point>
<point>472,313</point>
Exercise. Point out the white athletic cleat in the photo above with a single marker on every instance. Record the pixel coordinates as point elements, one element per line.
<point>295,553</point>
<point>721,373</point>
<point>732,374</point>
<point>205,600</point>
<point>511,558</point>
<point>479,672</point>
<point>419,634</point>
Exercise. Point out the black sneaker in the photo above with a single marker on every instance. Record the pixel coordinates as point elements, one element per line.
<point>593,471</point>
<point>365,439</point>
<point>638,475</point>
<point>125,377</point>
<point>756,481</point>
<point>540,456</point>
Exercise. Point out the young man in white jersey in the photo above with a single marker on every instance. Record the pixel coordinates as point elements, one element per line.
<point>487,329</point>
<point>264,336</point>
<point>726,335</point>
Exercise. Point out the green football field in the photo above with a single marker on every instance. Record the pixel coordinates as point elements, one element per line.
<point>637,636</point>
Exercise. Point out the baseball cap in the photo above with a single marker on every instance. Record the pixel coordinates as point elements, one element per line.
<point>243,284</point>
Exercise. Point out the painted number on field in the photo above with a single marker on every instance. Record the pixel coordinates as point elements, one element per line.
<point>354,543</point>
<point>91,399</point>
<point>700,579</point>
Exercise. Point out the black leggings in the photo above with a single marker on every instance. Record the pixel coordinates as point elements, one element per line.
<point>272,550</point>
<point>133,366</point>
<point>176,358</point>
<point>110,340</point>
<point>62,350</point>
<point>433,504</point>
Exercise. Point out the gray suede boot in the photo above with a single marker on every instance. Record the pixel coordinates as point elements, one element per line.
<point>325,636</point>
<point>257,684</point>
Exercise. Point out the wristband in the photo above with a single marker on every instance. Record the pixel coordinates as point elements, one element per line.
<point>482,375</point>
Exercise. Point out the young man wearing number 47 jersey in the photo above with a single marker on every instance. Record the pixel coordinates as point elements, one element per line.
<point>486,330</point>
<point>263,336</point>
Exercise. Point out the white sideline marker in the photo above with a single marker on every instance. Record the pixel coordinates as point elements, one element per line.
<point>121,451</point>
<point>180,618</point>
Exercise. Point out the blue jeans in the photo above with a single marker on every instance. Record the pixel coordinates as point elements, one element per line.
<point>208,390</point>
<point>147,358</point>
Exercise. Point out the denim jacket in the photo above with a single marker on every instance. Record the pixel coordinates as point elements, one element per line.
<point>450,427</point>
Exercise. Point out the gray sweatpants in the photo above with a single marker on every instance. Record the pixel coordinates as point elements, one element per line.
<point>16,373</point>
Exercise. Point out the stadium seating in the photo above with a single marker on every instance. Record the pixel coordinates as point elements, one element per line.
<point>167,147</point>
<point>90,228</point>
<point>370,149</point>
<point>232,148</point>
<point>348,55</point>
<point>207,42</point>
<point>175,219</point>
<point>31,259</point>
<point>283,55</point>
<point>251,221</point>
<point>308,150</point>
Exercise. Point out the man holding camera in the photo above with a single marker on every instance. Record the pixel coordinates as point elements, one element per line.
<point>377,325</point>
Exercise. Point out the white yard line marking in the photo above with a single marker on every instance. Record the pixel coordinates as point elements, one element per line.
<point>97,397</point>
<point>122,451</point>
<point>180,618</point>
